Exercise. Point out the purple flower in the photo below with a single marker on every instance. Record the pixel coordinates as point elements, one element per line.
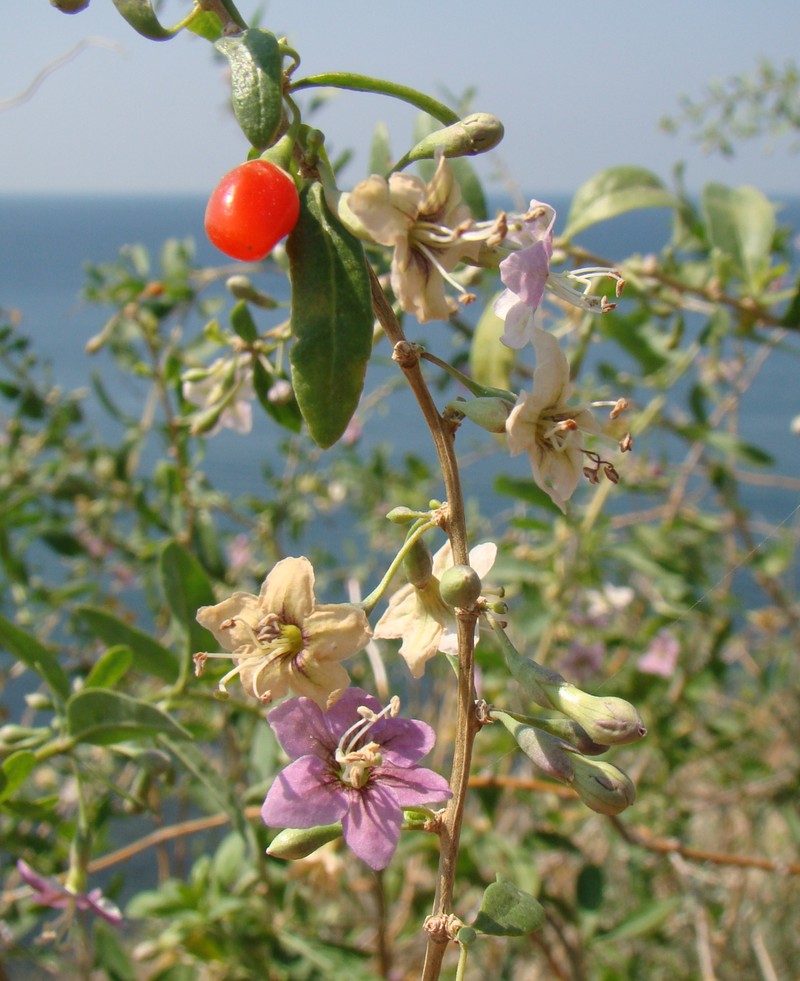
<point>526,274</point>
<point>355,763</point>
<point>50,892</point>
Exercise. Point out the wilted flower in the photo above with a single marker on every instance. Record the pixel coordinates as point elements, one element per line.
<point>223,393</point>
<point>526,274</point>
<point>282,640</point>
<point>545,427</point>
<point>355,763</point>
<point>430,229</point>
<point>49,892</point>
<point>420,616</point>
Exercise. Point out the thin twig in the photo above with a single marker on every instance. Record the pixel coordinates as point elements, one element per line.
<point>55,64</point>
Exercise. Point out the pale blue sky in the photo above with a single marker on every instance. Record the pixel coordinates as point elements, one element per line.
<point>579,85</point>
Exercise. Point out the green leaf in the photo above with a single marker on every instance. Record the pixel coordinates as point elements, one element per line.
<point>612,192</point>
<point>508,912</point>
<point>186,588</point>
<point>142,18</point>
<point>205,25</point>
<point>286,414</point>
<point>108,670</point>
<point>256,83</point>
<point>110,954</point>
<point>331,318</point>
<point>589,887</point>
<point>645,920</point>
<point>741,224</point>
<point>490,362</point>
<point>243,323</point>
<point>150,657</point>
<point>102,717</point>
<point>524,490</point>
<point>14,772</point>
<point>380,151</point>
<point>35,656</point>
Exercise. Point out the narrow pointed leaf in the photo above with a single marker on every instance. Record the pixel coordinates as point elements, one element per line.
<point>103,717</point>
<point>612,192</point>
<point>331,318</point>
<point>14,772</point>
<point>490,362</point>
<point>149,656</point>
<point>111,667</point>
<point>186,588</point>
<point>142,18</point>
<point>34,655</point>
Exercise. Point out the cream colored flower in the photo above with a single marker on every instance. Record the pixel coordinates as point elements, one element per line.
<point>422,618</point>
<point>430,229</point>
<point>545,427</point>
<point>282,640</point>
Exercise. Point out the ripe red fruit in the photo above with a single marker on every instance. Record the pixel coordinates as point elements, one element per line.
<point>251,209</point>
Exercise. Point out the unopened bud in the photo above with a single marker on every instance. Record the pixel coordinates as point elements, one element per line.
<point>402,516</point>
<point>294,843</point>
<point>547,753</point>
<point>460,586</point>
<point>38,701</point>
<point>242,288</point>
<point>471,135</point>
<point>608,720</point>
<point>466,935</point>
<point>602,786</point>
<point>418,564</point>
<point>488,413</point>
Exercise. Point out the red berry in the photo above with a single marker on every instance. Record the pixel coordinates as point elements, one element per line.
<point>251,209</point>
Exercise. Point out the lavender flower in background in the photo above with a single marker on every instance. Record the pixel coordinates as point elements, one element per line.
<point>48,891</point>
<point>355,763</point>
<point>661,657</point>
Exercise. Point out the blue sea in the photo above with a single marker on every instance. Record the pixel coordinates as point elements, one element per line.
<point>46,240</point>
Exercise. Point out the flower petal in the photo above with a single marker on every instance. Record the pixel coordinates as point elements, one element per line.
<point>305,794</point>
<point>335,631</point>
<point>403,741</point>
<point>300,726</point>
<point>288,590</point>
<point>229,620</point>
<point>371,827</point>
<point>414,786</point>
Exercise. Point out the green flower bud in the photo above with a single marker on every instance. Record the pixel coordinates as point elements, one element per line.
<point>602,786</point>
<point>38,701</point>
<point>242,288</point>
<point>460,586</point>
<point>402,516</point>
<point>573,734</point>
<point>547,753</point>
<point>466,936</point>
<point>488,413</point>
<point>418,564</point>
<point>608,720</point>
<point>294,843</point>
<point>471,135</point>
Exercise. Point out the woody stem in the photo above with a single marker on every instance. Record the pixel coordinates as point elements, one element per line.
<point>443,436</point>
